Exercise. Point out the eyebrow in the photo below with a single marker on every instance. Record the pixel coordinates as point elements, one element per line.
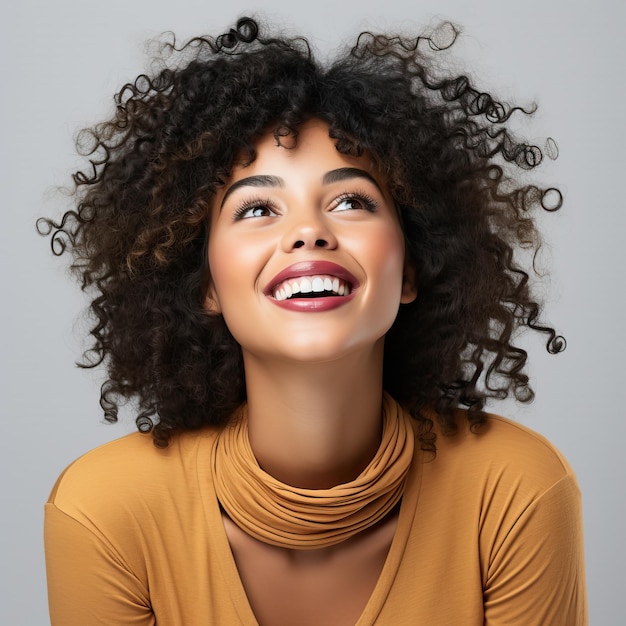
<point>334,176</point>
<point>254,181</point>
<point>346,173</point>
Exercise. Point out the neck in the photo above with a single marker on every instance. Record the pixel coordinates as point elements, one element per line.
<point>315,425</point>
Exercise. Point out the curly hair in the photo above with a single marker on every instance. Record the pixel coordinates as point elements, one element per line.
<point>138,232</point>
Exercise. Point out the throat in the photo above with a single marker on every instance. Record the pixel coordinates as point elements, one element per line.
<point>321,471</point>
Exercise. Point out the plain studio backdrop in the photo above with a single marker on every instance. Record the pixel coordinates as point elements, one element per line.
<point>62,60</point>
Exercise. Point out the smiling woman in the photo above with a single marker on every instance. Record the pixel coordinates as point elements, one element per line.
<point>289,222</point>
<point>306,276</point>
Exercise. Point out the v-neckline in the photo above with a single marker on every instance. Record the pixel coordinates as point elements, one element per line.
<point>228,567</point>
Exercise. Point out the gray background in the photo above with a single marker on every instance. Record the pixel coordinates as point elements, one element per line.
<point>61,62</point>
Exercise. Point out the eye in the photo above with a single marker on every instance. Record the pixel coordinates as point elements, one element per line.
<point>355,202</point>
<point>254,208</point>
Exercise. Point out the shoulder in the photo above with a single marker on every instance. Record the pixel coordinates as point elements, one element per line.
<point>117,527</point>
<point>127,472</point>
<point>503,445</point>
<point>503,467</point>
<point>503,488</point>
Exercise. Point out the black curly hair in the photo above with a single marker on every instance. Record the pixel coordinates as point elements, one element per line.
<point>138,234</point>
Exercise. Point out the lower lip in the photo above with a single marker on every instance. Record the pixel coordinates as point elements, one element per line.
<point>313,305</point>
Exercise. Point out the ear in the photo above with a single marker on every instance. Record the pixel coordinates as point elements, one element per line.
<point>409,288</point>
<point>211,301</point>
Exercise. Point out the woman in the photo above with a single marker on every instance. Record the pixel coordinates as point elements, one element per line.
<point>307,276</point>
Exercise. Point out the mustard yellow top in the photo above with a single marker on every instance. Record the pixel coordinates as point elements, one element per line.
<point>489,533</point>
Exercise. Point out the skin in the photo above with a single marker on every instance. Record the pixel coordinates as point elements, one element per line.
<point>313,374</point>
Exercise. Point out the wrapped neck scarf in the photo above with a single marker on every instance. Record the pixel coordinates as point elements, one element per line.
<point>307,519</point>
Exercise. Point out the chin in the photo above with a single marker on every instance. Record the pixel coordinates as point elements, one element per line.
<point>312,350</point>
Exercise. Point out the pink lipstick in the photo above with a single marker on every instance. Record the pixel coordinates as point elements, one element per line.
<point>297,286</point>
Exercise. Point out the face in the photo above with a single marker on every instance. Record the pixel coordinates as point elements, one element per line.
<point>306,252</point>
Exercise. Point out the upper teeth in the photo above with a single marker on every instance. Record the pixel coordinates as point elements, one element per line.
<point>308,284</point>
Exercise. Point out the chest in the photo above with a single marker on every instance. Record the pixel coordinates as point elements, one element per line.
<point>328,586</point>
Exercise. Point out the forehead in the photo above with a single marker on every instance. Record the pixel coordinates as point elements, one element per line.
<point>312,150</point>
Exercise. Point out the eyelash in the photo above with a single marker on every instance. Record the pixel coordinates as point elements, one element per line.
<point>369,204</point>
<point>253,203</point>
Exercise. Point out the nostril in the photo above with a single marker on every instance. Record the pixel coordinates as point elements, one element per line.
<point>319,243</point>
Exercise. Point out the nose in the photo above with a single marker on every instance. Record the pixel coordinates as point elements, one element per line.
<point>308,232</point>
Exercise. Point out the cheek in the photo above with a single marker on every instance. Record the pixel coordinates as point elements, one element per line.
<point>222,268</point>
<point>382,256</point>
<point>385,252</point>
<point>225,263</point>
<point>234,264</point>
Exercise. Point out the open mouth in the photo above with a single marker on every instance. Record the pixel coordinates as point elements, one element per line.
<point>316,286</point>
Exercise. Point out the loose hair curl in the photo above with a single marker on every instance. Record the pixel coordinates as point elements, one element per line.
<point>138,234</point>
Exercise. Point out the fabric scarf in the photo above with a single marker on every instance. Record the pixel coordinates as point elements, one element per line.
<point>307,519</point>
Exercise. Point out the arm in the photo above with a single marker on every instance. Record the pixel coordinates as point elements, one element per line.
<point>536,576</point>
<point>88,582</point>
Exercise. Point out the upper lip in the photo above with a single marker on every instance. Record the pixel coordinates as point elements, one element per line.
<point>311,268</point>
